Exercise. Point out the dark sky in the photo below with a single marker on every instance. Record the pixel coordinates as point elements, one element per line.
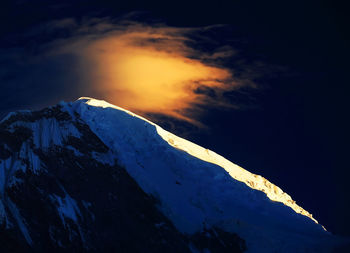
<point>291,127</point>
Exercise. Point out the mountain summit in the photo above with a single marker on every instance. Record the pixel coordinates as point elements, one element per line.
<point>88,176</point>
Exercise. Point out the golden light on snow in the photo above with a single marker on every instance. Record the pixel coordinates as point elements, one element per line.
<point>149,72</point>
<point>253,181</point>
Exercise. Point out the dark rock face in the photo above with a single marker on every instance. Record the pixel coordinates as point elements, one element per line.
<point>81,199</point>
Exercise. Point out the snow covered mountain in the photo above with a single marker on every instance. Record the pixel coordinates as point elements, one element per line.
<point>89,176</point>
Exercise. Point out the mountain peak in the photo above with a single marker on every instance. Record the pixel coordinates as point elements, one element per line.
<point>256,182</point>
<point>79,162</point>
<point>102,103</point>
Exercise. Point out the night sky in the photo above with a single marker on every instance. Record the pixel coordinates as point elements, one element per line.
<point>263,84</point>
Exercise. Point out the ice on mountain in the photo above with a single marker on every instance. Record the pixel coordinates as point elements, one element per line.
<point>26,152</point>
<point>67,208</point>
<point>196,188</point>
<point>21,223</point>
<point>213,190</point>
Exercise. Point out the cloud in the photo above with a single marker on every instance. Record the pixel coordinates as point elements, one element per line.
<point>148,68</point>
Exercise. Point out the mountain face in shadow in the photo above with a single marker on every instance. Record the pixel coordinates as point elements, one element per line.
<point>82,177</point>
<point>61,196</point>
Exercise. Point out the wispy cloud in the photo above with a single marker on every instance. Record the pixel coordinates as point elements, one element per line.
<point>149,68</point>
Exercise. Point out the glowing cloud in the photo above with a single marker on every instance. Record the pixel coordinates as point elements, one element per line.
<point>144,79</point>
<point>150,69</point>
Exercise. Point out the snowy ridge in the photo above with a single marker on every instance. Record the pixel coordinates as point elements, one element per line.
<point>199,189</point>
<point>257,182</point>
<point>78,156</point>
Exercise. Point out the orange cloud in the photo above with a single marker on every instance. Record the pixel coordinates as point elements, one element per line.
<point>149,69</point>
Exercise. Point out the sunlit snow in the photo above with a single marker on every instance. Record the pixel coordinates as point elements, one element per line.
<point>198,188</point>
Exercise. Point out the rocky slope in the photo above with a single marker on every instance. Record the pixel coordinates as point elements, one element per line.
<point>88,176</point>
